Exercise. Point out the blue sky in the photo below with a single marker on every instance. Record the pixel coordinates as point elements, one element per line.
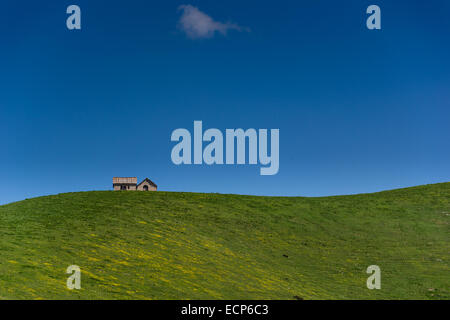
<point>358,110</point>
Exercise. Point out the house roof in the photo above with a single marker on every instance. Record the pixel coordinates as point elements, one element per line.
<point>132,180</point>
<point>149,181</point>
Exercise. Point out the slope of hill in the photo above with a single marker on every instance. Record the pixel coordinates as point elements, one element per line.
<point>164,245</point>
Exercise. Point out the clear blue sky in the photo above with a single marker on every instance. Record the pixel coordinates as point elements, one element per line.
<point>358,110</point>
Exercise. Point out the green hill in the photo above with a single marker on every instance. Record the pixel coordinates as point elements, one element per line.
<point>167,245</point>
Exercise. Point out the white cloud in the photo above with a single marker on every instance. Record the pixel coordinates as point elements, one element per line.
<point>197,24</point>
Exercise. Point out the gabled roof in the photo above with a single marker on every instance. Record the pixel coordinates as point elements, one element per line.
<point>149,181</point>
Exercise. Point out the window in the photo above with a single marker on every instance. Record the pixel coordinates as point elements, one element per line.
<point>122,187</point>
<point>145,188</point>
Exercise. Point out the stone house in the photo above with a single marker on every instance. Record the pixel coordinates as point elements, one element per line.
<point>130,183</point>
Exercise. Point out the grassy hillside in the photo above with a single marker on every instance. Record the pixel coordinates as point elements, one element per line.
<point>161,245</point>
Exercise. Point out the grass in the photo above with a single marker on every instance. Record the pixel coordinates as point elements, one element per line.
<point>164,245</point>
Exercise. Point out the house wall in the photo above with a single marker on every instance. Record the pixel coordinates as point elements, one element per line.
<point>129,187</point>
<point>145,183</point>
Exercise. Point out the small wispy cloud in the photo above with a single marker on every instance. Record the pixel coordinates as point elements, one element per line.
<point>197,24</point>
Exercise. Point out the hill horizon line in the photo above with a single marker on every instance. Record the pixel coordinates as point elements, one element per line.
<point>238,194</point>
